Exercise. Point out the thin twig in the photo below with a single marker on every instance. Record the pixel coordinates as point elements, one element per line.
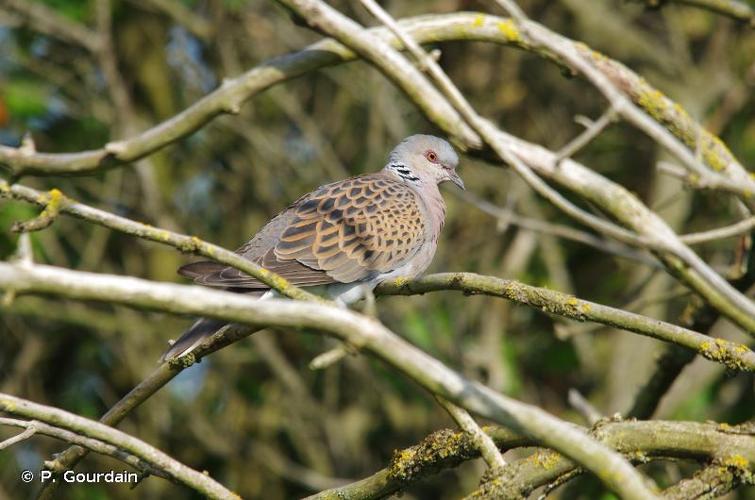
<point>488,450</point>
<point>512,9</point>
<point>558,230</point>
<point>21,436</point>
<point>588,135</point>
<point>742,227</point>
<point>583,406</point>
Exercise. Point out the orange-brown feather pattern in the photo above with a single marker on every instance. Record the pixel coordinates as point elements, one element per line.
<point>354,228</point>
<point>342,232</point>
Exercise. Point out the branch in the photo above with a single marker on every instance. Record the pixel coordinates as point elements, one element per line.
<point>476,435</point>
<point>37,427</point>
<point>592,130</point>
<point>28,432</point>
<point>507,216</point>
<point>188,244</point>
<point>652,231</point>
<point>360,331</point>
<point>712,481</point>
<point>613,198</point>
<point>89,428</point>
<point>621,87</point>
<point>657,439</point>
<point>425,29</point>
<point>733,355</point>
<point>737,229</point>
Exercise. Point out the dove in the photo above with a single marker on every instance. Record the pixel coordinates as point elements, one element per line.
<point>344,238</point>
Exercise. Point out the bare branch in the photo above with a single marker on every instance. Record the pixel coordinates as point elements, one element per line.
<point>559,230</point>
<point>198,481</point>
<point>35,426</point>
<point>21,436</point>
<point>365,333</point>
<point>735,356</point>
<point>592,131</point>
<point>488,450</point>
<point>583,406</point>
<point>738,229</point>
<point>189,244</point>
<point>653,233</point>
<point>652,439</point>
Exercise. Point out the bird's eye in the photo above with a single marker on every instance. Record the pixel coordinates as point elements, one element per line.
<point>431,156</point>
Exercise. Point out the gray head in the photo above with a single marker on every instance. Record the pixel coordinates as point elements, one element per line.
<point>421,159</point>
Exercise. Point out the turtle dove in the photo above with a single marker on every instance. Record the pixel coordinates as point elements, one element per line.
<point>346,237</point>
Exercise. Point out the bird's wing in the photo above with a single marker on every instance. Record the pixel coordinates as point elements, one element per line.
<point>343,232</point>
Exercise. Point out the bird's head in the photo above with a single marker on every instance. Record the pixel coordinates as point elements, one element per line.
<point>421,159</point>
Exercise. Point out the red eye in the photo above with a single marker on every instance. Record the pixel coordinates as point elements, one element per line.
<point>431,156</point>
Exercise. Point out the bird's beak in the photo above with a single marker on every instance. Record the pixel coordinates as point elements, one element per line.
<point>454,177</point>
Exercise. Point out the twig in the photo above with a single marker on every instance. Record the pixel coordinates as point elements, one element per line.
<point>558,230</point>
<point>21,436</point>
<point>588,135</point>
<point>742,227</point>
<point>90,428</point>
<point>284,467</point>
<point>488,450</point>
<point>45,218</point>
<point>512,9</point>
<point>328,358</point>
<point>583,406</point>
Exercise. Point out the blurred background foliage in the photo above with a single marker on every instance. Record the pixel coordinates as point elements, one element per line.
<point>254,415</point>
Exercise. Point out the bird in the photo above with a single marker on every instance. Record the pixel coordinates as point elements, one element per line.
<point>344,238</point>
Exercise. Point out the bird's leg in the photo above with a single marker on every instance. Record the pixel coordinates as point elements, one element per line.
<point>369,307</point>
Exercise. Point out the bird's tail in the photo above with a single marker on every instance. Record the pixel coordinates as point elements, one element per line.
<point>191,338</point>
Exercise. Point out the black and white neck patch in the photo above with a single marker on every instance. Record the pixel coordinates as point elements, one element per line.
<point>404,172</point>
